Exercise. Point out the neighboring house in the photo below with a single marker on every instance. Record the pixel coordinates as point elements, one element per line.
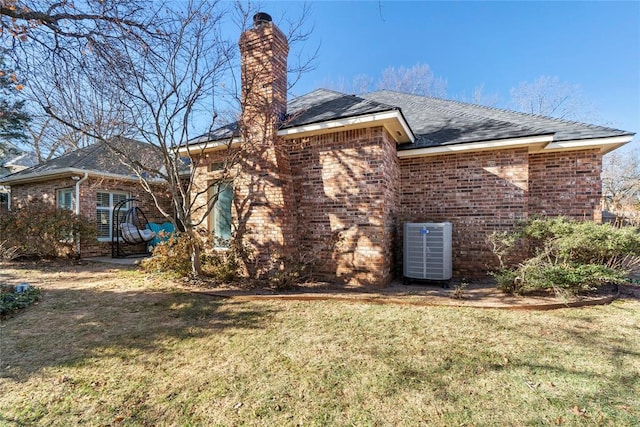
<point>333,177</point>
<point>11,165</point>
<point>89,181</point>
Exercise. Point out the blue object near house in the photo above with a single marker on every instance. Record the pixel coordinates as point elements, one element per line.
<point>22,287</point>
<point>163,232</point>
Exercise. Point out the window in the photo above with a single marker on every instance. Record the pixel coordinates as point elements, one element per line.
<point>4,201</point>
<point>220,217</point>
<point>65,198</point>
<point>104,208</point>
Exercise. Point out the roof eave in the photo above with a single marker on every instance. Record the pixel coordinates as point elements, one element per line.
<point>605,144</point>
<point>393,121</point>
<point>534,143</point>
<point>65,172</point>
<point>206,146</point>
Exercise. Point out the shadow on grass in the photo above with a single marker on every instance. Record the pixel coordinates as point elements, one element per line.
<point>75,326</point>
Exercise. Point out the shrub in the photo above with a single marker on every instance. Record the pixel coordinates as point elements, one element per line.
<point>7,252</point>
<point>228,264</point>
<point>225,265</point>
<point>172,254</point>
<point>566,256</point>
<point>41,230</point>
<point>12,301</point>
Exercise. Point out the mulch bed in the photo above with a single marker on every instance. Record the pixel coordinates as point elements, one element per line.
<point>479,294</point>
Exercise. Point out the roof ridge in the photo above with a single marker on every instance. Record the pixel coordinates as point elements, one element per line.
<point>504,110</point>
<point>458,112</point>
<point>367,101</point>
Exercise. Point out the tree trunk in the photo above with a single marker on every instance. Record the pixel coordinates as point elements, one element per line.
<point>196,265</point>
<point>194,248</point>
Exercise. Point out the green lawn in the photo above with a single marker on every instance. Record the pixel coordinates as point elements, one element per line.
<point>109,348</point>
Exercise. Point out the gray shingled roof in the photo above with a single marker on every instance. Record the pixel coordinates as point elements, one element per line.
<point>437,122</point>
<point>323,105</point>
<point>434,121</point>
<point>98,158</point>
<point>317,106</point>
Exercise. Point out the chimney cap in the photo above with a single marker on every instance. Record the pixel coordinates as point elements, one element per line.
<point>261,18</point>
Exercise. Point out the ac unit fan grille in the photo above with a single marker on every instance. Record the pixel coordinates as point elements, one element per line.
<point>427,251</point>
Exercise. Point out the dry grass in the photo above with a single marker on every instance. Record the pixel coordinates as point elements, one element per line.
<point>105,347</point>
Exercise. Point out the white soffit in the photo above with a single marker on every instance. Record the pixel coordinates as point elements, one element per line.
<point>604,144</point>
<point>392,121</point>
<point>534,143</point>
<point>207,145</point>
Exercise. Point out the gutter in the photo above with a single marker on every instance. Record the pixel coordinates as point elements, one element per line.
<point>83,179</point>
<point>80,181</point>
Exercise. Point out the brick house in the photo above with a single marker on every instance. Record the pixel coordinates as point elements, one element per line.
<point>334,176</point>
<point>90,181</point>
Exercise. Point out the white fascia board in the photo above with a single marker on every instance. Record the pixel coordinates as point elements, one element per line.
<point>477,146</point>
<point>208,145</point>
<point>60,173</point>
<point>357,121</point>
<point>605,144</point>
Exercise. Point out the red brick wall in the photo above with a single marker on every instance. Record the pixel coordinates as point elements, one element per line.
<point>47,191</point>
<point>39,190</point>
<point>352,196</point>
<point>566,183</point>
<point>477,192</point>
<point>346,193</point>
<point>487,191</point>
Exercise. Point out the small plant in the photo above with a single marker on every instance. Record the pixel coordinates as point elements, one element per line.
<point>12,301</point>
<point>458,290</point>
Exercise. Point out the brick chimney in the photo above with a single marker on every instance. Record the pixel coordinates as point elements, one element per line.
<point>265,202</point>
<point>264,49</point>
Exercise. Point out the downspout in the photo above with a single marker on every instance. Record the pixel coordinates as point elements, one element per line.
<point>83,179</point>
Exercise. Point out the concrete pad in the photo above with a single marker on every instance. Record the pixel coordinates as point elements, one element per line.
<point>117,261</point>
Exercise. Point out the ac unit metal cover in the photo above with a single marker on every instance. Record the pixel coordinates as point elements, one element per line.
<point>427,251</point>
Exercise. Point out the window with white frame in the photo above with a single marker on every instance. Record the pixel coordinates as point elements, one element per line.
<point>220,216</point>
<point>105,201</point>
<point>65,198</point>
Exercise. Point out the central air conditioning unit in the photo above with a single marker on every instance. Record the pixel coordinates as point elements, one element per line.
<point>427,251</point>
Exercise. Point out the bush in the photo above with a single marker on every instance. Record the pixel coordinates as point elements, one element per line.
<point>12,301</point>
<point>565,256</point>
<point>41,230</point>
<point>226,265</point>
<point>172,254</point>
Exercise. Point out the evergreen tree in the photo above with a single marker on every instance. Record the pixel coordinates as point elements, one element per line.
<point>13,117</point>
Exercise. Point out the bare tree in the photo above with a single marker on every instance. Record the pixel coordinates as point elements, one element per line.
<point>74,26</point>
<point>549,96</point>
<point>621,185</point>
<point>417,79</point>
<point>480,97</point>
<point>161,92</point>
<point>49,138</point>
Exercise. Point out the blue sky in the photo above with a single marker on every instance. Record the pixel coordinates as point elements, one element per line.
<point>595,45</point>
